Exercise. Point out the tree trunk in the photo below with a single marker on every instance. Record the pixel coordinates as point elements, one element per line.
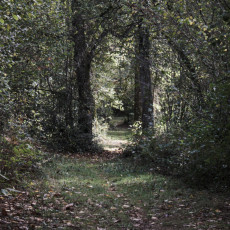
<point>82,62</point>
<point>145,78</point>
<point>137,89</point>
<point>85,99</point>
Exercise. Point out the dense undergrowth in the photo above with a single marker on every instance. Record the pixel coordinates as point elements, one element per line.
<point>200,155</point>
<point>18,159</point>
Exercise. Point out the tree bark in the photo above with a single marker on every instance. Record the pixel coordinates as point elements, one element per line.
<point>137,87</point>
<point>85,99</point>
<point>145,78</point>
<point>82,62</point>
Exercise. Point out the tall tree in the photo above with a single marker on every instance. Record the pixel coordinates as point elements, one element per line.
<point>137,84</point>
<point>145,76</point>
<point>92,21</point>
<point>143,81</point>
<point>82,64</point>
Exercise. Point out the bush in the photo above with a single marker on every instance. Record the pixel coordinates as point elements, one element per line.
<point>200,155</point>
<point>17,158</point>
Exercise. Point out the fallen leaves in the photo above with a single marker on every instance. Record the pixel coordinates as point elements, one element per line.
<point>125,206</point>
<point>3,212</point>
<point>106,205</point>
<point>69,206</point>
<point>25,211</point>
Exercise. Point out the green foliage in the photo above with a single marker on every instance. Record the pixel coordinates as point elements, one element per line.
<point>112,87</point>
<point>191,136</point>
<point>17,158</point>
<point>189,60</point>
<point>200,155</point>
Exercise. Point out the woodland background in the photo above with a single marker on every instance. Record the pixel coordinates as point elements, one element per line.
<point>67,67</point>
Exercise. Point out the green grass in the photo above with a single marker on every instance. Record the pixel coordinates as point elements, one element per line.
<point>117,137</point>
<point>118,194</point>
<point>119,134</point>
<point>117,121</point>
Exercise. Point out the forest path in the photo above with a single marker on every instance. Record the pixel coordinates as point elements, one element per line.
<point>118,136</point>
<point>106,191</point>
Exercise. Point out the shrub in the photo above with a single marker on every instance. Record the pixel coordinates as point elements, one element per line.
<point>200,155</point>
<point>17,158</point>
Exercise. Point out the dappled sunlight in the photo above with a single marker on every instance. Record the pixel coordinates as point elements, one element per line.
<point>138,179</point>
<point>118,137</point>
<point>104,189</point>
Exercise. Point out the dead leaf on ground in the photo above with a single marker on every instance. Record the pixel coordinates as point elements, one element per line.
<point>69,206</point>
<point>4,212</point>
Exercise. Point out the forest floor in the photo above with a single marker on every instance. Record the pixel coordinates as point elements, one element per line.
<point>106,191</point>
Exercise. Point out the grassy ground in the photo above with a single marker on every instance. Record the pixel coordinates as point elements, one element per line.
<point>107,191</point>
<point>118,136</point>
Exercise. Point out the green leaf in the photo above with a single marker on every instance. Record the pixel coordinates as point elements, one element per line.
<point>2,20</point>
<point>15,17</point>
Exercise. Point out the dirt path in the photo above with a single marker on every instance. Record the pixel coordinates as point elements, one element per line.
<point>117,137</point>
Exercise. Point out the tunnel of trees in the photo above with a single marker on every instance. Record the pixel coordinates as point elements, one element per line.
<point>66,66</point>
